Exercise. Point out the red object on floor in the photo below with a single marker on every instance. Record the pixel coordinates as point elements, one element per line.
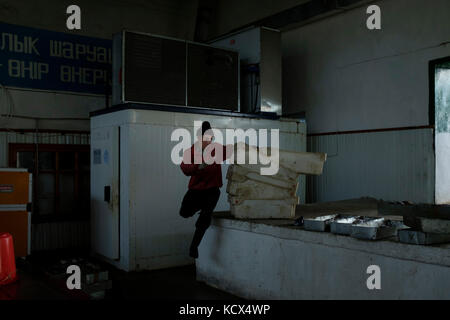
<point>9,292</point>
<point>7,259</point>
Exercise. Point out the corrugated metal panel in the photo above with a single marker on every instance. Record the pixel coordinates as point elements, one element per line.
<point>59,235</point>
<point>391,165</point>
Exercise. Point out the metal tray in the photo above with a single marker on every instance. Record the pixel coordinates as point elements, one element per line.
<point>321,224</point>
<point>375,229</point>
<point>343,225</point>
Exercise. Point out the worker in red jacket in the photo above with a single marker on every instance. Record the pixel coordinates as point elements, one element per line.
<point>206,180</point>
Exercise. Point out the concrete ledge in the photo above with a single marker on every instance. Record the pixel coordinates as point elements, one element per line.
<point>270,259</point>
<point>283,229</point>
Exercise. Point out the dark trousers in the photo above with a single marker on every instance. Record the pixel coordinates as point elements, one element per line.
<point>200,200</point>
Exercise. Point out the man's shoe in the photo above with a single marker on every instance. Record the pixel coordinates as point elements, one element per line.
<point>193,252</point>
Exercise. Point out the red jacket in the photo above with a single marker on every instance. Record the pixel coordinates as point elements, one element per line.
<point>208,177</point>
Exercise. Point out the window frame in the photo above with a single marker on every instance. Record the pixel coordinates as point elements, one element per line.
<point>432,87</point>
<point>14,148</point>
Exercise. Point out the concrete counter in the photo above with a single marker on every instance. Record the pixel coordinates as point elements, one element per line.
<point>272,259</point>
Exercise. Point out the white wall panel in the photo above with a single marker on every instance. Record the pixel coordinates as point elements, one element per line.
<point>346,77</point>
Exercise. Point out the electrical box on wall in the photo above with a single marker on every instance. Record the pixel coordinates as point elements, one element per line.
<point>158,70</point>
<point>260,66</point>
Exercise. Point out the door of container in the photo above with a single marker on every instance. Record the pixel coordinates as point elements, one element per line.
<point>105,191</point>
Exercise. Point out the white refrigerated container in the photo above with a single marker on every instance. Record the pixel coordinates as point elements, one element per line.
<point>136,190</point>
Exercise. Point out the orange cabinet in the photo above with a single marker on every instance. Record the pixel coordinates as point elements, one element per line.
<point>15,216</point>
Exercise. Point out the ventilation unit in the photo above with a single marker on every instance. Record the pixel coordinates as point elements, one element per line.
<point>164,71</point>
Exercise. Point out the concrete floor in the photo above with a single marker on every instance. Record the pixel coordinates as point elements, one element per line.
<point>175,283</point>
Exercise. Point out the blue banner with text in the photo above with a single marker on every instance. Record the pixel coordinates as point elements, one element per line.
<point>55,61</point>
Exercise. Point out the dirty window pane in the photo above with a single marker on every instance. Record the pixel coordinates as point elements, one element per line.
<point>46,193</point>
<point>46,160</point>
<point>25,159</point>
<point>84,161</point>
<point>66,196</point>
<point>67,160</point>
<point>84,193</point>
<point>85,186</point>
<point>46,184</point>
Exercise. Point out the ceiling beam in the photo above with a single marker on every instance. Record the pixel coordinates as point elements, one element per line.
<point>301,14</point>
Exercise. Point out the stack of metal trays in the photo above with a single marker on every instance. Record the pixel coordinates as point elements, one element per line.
<point>366,228</point>
<point>429,224</point>
<point>321,224</point>
<point>411,236</point>
<point>425,231</point>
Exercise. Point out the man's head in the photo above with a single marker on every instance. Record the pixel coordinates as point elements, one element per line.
<point>207,134</point>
